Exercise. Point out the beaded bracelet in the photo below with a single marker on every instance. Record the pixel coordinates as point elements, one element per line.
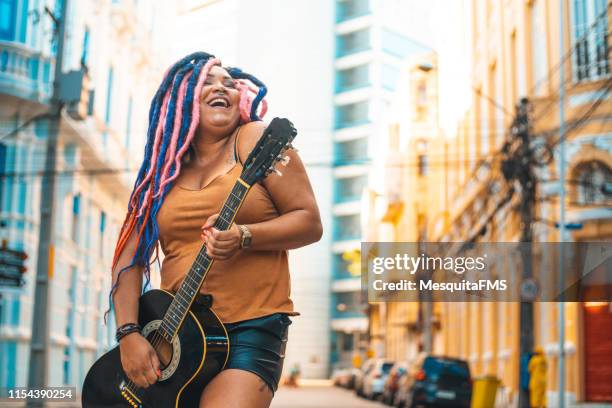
<point>126,329</point>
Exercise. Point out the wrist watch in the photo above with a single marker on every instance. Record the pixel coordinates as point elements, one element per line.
<point>245,237</point>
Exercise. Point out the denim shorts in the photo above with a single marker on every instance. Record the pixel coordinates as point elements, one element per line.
<point>258,345</point>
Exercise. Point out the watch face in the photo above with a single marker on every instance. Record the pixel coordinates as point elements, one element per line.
<point>246,242</point>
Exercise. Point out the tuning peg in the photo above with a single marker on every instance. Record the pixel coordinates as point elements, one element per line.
<point>284,160</point>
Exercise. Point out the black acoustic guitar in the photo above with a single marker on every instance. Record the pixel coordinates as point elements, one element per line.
<point>190,340</point>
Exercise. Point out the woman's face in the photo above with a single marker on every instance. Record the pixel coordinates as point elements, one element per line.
<point>219,106</point>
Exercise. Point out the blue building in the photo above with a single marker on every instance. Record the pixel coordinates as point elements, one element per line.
<point>100,140</point>
<point>367,64</point>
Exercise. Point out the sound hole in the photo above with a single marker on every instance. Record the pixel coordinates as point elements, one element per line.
<point>162,347</point>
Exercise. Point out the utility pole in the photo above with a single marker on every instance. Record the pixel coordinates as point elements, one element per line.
<point>561,304</point>
<point>39,346</point>
<point>526,177</point>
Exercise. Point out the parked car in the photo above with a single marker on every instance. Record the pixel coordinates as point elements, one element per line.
<point>360,375</point>
<point>345,377</point>
<point>374,380</point>
<point>338,376</point>
<point>435,381</point>
<point>392,382</point>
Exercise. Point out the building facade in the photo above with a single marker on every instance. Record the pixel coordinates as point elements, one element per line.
<point>100,141</point>
<point>516,53</point>
<point>408,203</point>
<point>368,57</point>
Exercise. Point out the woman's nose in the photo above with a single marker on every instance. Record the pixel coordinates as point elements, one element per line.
<point>219,87</point>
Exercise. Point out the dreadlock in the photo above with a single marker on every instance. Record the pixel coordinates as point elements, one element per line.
<point>173,119</point>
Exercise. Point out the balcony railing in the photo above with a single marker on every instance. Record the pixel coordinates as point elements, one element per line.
<point>25,73</point>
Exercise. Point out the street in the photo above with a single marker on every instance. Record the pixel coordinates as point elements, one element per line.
<point>319,396</point>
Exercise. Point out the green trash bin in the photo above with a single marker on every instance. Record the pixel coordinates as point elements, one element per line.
<point>484,390</point>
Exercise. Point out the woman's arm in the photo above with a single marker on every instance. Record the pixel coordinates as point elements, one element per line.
<point>125,298</point>
<point>138,358</point>
<point>299,222</point>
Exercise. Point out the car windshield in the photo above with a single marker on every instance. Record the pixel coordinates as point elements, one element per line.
<point>447,367</point>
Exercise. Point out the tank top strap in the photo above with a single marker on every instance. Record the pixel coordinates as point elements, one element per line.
<point>236,155</point>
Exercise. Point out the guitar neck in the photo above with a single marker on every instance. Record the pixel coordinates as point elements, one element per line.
<point>194,279</point>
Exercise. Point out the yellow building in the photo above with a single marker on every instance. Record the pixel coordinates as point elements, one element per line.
<point>408,207</point>
<point>515,53</point>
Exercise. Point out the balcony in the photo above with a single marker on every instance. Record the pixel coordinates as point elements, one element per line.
<point>352,78</point>
<point>349,188</point>
<point>25,73</point>
<point>352,114</point>
<point>349,152</point>
<point>353,42</point>
<point>347,227</point>
<point>348,305</point>
<point>349,9</point>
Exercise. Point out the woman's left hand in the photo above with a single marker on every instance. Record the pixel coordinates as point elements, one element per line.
<point>220,245</point>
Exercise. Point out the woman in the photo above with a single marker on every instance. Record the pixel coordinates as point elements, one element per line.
<point>203,124</point>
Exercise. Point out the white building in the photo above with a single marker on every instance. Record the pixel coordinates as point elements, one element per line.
<point>286,44</point>
<point>98,141</point>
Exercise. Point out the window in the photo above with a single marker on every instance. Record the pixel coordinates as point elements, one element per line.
<point>102,228</point>
<point>8,10</point>
<point>85,52</point>
<point>351,151</point>
<point>350,188</point>
<point>347,227</point>
<point>353,42</point>
<point>422,164</point>
<point>352,78</point>
<point>594,184</point>
<point>352,114</point>
<point>109,96</point>
<point>3,182</point>
<point>348,302</point>
<point>420,105</point>
<point>70,312</point>
<point>84,302</point>
<point>76,208</point>
<point>340,266</point>
<point>590,20</point>
<point>347,9</point>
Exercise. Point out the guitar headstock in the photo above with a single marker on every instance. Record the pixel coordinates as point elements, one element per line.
<point>269,151</point>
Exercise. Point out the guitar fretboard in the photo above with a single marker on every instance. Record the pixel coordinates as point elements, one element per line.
<point>192,283</point>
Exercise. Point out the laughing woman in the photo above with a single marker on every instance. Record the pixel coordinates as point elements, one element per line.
<point>203,123</point>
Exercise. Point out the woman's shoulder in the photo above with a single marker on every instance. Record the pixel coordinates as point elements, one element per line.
<point>249,135</point>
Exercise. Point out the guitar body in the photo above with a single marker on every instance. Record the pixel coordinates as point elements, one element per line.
<point>198,352</point>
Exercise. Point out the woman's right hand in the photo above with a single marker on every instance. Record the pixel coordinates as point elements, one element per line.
<point>139,360</point>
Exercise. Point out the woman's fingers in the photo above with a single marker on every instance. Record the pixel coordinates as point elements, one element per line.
<point>210,221</point>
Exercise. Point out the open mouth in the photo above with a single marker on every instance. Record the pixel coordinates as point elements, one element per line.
<point>219,102</point>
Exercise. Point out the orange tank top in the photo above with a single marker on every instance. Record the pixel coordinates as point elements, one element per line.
<point>250,284</point>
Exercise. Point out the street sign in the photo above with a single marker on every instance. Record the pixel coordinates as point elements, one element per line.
<point>12,267</point>
<point>11,282</point>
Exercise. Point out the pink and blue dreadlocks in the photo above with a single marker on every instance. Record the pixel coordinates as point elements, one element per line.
<point>173,119</point>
